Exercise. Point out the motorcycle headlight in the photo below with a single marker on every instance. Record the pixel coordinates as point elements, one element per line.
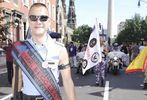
<point>115,58</point>
<point>115,63</point>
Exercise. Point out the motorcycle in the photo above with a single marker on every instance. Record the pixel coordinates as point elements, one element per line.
<point>114,65</point>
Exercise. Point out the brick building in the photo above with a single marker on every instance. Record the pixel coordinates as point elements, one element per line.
<point>17,12</point>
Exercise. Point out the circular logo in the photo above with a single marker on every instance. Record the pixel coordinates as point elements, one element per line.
<point>84,63</point>
<point>92,42</point>
<point>95,57</point>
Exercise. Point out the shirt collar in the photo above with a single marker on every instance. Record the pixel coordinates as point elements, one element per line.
<point>45,43</point>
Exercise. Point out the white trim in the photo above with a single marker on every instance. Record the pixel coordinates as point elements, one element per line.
<point>6,97</point>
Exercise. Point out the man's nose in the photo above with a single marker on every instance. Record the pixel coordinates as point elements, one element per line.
<point>38,20</point>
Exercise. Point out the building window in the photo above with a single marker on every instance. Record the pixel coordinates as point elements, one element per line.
<point>34,1</point>
<point>26,2</point>
<point>8,19</point>
<point>15,1</point>
<point>42,1</point>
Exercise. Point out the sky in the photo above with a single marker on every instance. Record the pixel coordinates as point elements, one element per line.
<point>87,11</point>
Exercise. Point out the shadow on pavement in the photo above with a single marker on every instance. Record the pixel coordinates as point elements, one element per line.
<point>122,80</point>
<point>100,94</point>
<point>82,80</point>
<point>1,94</point>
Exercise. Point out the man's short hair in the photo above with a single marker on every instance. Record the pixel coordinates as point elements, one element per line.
<point>38,5</point>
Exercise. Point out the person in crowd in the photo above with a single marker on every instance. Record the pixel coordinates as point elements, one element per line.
<point>124,48</point>
<point>145,78</point>
<point>145,70</point>
<point>80,57</point>
<point>134,50</point>
<point>141,47</point>
<point>72,50</point>
<point>9,61</point>
<point>48,49</point>
<point>80,47</point>
<point>100,68</point>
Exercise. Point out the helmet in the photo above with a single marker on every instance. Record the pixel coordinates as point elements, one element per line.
<point>115,44</point>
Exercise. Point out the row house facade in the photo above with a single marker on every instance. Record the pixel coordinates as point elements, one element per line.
<point>17,12</point>
<point>61,19</point>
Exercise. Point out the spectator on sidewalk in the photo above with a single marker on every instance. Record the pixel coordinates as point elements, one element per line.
<point>9,61</point>
<point>72,54</point>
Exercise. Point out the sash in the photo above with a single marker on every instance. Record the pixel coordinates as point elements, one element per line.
<point>30,62</point>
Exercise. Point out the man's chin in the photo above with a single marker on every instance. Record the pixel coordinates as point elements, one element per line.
<point>40,32</point>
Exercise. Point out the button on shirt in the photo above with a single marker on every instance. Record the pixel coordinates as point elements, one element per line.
<point>49,51</point>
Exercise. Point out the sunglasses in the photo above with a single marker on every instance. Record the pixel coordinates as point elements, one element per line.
<point>41,18</point>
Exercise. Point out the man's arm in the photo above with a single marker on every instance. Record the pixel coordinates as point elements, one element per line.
<point>66,75</point>
<point>16,82</point>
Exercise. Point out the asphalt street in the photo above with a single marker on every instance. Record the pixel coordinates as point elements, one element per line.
<point>120,87</point>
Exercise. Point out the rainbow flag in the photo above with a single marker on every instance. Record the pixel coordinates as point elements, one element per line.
<point>139,63</point>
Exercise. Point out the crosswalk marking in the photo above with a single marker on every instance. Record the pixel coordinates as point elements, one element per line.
<point>106,91</point>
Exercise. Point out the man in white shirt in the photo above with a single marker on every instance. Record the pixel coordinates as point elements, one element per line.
<point>49,50</point>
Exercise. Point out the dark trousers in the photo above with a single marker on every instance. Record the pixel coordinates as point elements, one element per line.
<point>10,71</point>
<point>28,97</point>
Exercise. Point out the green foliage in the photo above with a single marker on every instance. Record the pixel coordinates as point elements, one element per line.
<point>4,26</point>
<point>81,34</point>
<point>134,30</point>
<point>144,29</point>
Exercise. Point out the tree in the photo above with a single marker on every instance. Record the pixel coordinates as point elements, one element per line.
<point>144,29</point>
<point>134,29</point>
<point>4,27</point>
<point>82,34</point>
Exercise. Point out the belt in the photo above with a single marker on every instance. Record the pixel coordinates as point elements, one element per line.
<point>32,97</point>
